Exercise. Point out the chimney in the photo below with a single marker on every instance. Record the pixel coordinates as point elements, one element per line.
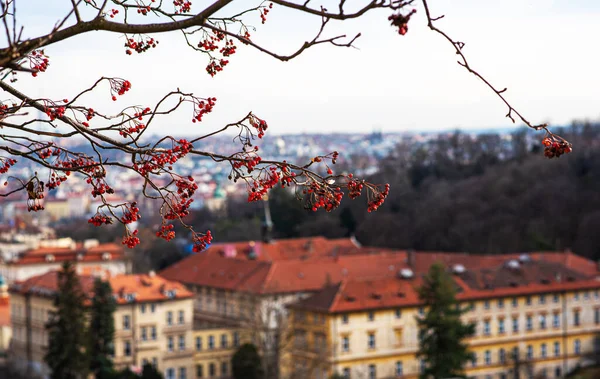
<point>410,257</point>
<point>267,223</point>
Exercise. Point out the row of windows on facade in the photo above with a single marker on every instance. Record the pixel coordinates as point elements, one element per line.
<point>542,322</point>
<point>399,366</point>
<point>224,342</point>
<point>180,319</point>
<point>170,373</point>
<point>472,306</point>
<point>503,355</point>
<point>212,370</point>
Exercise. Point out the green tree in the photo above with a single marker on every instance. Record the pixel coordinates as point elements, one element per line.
<point>66,355</point>
<point>150,372</point>
<point>246,364</point>
<point>441,330</point>
<point>102,330</point>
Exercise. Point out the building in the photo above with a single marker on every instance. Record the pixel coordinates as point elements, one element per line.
<point>543,308</point>
<point>89,256</point>
<point>214,348</point>
<point>153,322</point>
<point>5,330</point>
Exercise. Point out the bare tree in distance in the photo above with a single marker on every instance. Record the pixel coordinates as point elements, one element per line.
<point>36,129</point>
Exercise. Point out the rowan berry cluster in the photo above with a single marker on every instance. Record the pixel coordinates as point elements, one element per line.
<point>229,49</point>
<point>35,193</point>
<point>131,240</point>
<point>139,46</point>
<point>264,11</point>
<point>130,213</point>
<point>53,110</point>
<point>100,219</point>
<point>99,186</point>
<point>38,61</point>
<point>401,21</point>
<point>322,196</point>
<point>5,110</point>
<point>6,164</point>
<point>355,187</point>
<point>182,6</point>
<point>56,180</point>
<point>200,242</point>
<point>89,114</point>
<point>259,124</point>
<point>186,187</point>
<point>379,198</point>
<point>215,66</point>
<point>202,107</point>
<point>178,208</point>
<point>166,232</point>
<point>555,147</point>
<point>250,163</point>
<point>260,187</point>
<point>133,125</point>
<point>113,13</point>
<point>118,86</point>
<point>144,10</point>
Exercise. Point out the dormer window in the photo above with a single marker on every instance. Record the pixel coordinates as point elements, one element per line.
<point>171,293</point>
<point>130,297</point>
<point>106,256</point>
<point>49,258</point>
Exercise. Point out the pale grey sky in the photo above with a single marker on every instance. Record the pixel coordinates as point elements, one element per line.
<point>545,51</point>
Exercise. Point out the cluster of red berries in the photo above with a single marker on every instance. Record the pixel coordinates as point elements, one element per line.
<point>131,213</point>
<point>215,66</point>
<point>99,186</point>
<point>89,114</point>
<point>355,187</point>
<point>378,199</point>
<point>35,193</point>
<point>229,49</point>
<point>38,62</point>
<point>555,147</point>
<point>54,111</point>
<point>178,208</point>
<point>4,111</point>
<point>166,232</point>
<point>144,10</point>
<point>135,127</point>
<point>401,21</point>
<point>259,124</point>
<point>186,187</point>
<point>200,242</point>
<point>249,163</point>
<point>260,187</point>
<point>118,86</point>
<point>56,180</point>
<point>211,44</point>
<point>100,219</point>
<point>182,6</point>
<point>6,164</point>
<point>131,240</point>
<point>264,12</point>
<point>202,107</point>
<point>139,46</point>
<point>287,176</point>
<point>113,13</point>
<point>324,197</point>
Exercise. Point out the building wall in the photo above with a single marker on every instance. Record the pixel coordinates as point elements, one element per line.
<point>395,333</point>
<point>216,357</point>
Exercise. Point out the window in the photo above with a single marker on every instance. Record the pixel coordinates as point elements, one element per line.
<point>345,343</point>
<point>198,343</point>
<point>127,348</point>
<point>486,304</point>
<point>576,320</point>
<point>555,298</point>
<point>542,322</point>
<point>223,341</point>
<point>371,340</point>
<point>144,362</point>
<point>472,306</point>
<point>556,320</point>
<point>597,316</point>
<point>143,308</point>
<point>212,370</point>
<point>597,294</point>
<point>515,325</point>
<point>152,308</point>
<point>515,353</point>
<point>170,373</point>
<point>542,299</point>
<point>155,362</point>
<point>344,319</point>
<point>543,350</point>
<point>199,371</point>
<point>181,318</point>
<point>500,303</point>
<point>501,326</point>
<point>236,339</point>
<point>126,322</point>
<point>398,313</point>
<point>487,357</point>
<point>557,349</point>
<point>211,342</point>
<point>576,296</point>
<point>529,352</point>
<point>421,311</point>
<point>224,368</point>
<point>474,359</point>
<point>577,347</point>
<point>399,368</point>
<point>153,333</point>
<point>515,302</point>
<point>371,316</point>
<point>486,327</point>
<point>170,344</point>
<point>529,323</point>
<point>502,356</point>
<point>557,372</point>
<point>169,318</point>
<point>181,343</point>
<point>346,373</point>
<point>182,373</point>
<point>528,300</point>
<point>144,333</point>
<point>586,295</point>
<point>372,372</point>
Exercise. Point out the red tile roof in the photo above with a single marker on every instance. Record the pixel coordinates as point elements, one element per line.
<point>4,311</point>
<point>143,288</point>
<point>61,254</point>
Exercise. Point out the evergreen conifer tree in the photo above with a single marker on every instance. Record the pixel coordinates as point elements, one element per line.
<point>102,330</point>
<point>442,333</point>
<point>66,355</point>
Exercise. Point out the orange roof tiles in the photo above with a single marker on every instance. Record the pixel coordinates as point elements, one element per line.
<point>126,288</point>
<point>61,254</point>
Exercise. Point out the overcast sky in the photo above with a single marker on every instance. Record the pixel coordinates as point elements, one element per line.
<point>545,51</point>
